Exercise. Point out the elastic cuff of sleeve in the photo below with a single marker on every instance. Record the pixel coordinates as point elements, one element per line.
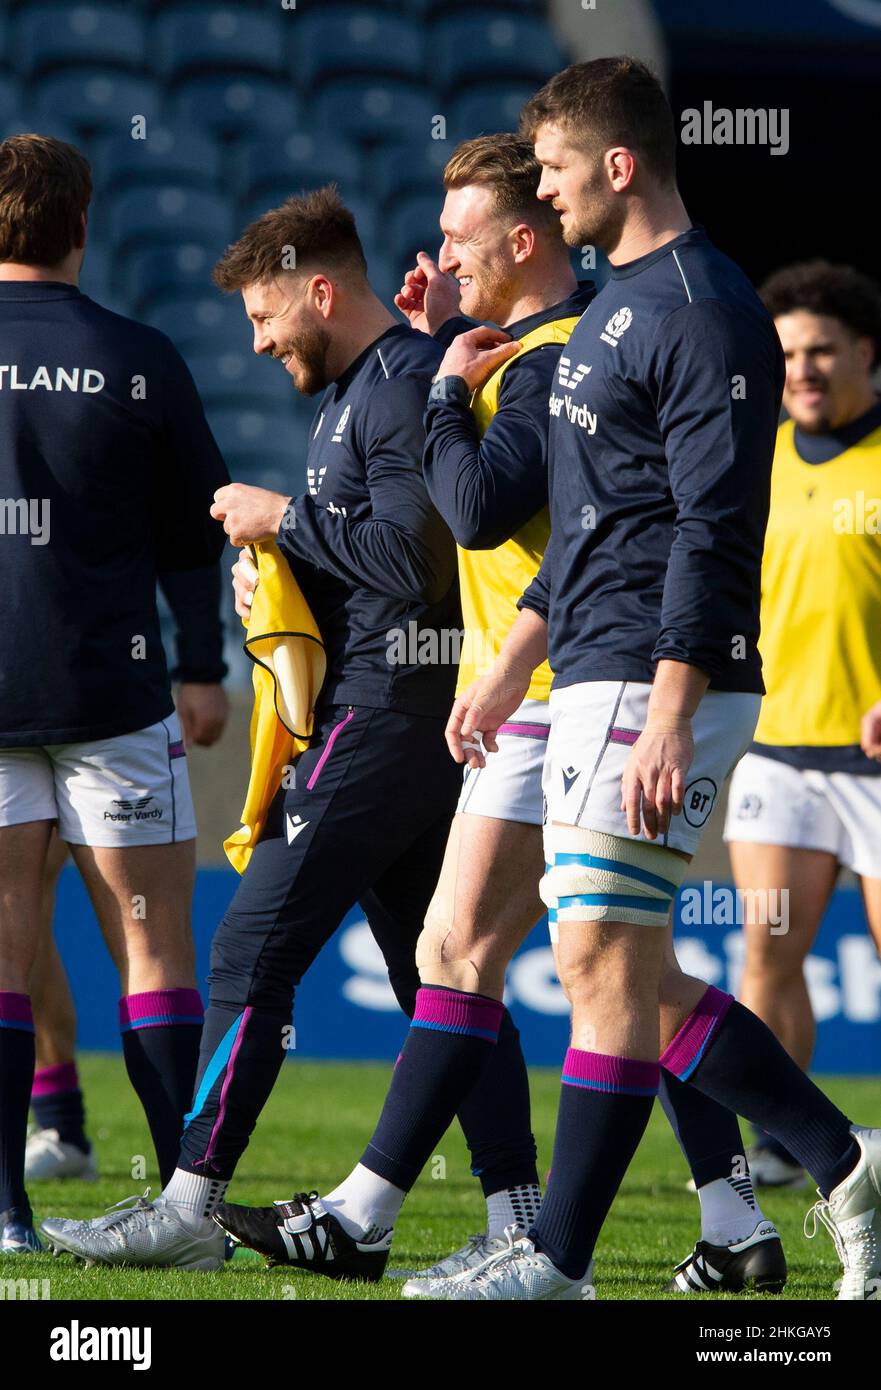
<point>449,388</point>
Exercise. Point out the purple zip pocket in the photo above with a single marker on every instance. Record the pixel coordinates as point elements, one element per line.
<point>327,749</point>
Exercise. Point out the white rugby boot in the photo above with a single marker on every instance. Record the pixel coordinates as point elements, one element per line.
<point>852,1216</point>
<point>516,1273</point>
<point>471,1256</point>
<point>144,1234</point>
<point>47,1158</point>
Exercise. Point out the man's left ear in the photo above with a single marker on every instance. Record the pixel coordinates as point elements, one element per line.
<point>523,238</point>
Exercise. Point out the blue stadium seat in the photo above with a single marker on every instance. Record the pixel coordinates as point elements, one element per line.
<point>192,321</point>
<point>343,40</point>
<point>411,226</point>
<point>159,274</point>
<point>95,276</point>
<point>369,111</point>
<point>237,106</point>
<point>10,99</point>
<point>19,124</point>
<point>144,217</point>
<point>237,378</point>
<point>191,40</point>
<point>94,99</point>
<point>489,109</point>
<point>409,166</point>
<point>477,48</point>
<point>302,160</point>
<point>167,155</point>
<point>52,37</point>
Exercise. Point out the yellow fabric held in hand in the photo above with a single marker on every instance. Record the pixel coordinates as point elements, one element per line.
<point>285,646</point>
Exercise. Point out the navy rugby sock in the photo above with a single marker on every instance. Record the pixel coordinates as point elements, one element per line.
<point>160,1043</point>
<point>17,1053</point>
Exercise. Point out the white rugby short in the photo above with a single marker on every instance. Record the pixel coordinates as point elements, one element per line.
<point>509,787</point>
<point>771,803</point>
<point>593,727</point>
<point>129,790</point>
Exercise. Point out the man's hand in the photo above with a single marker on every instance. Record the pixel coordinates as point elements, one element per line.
<point>249,513</point>
<point>244,582</point>
<point>428,297</point>
<point>203,711</point>
<point>475,355</point>
<point>870,733</point>
<point>481,709</point>
<point>653,783</point>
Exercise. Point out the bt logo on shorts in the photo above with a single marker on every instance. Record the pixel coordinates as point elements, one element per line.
<point>134,810</point>
<point>699,799</point>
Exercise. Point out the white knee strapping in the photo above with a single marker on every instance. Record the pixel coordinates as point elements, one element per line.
<point>593,877</point>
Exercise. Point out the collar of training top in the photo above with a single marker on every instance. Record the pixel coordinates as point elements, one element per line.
<point>37,289</point>
<point>695,236</point>
<point>821,448</point>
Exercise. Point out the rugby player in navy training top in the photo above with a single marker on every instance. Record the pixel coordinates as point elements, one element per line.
<point>58,1145</point>
<point>368,817</point>
<point>662,433</point>
<point>108,469</point>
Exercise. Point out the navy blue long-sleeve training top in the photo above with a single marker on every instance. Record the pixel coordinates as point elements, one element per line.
<point>375,561</point>
<point>662,435</point>
<point>107,471</point>
<point>486,489</point>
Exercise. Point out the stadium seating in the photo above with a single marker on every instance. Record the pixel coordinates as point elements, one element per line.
<point>49,38</point>
<point>167,155</point>
<point>192,321</point>
<point>236,377</point>
<point>167,214</point>
<point>190,40</point>
<point>411,226</point>
<point>232,107</point>
<point>469,48</point>
<point>95,99</point>
<point>303,159</point>
<point>406,167</point>
<point>490,108</point>
<point>342,40</point>
<point>160,273</point>
<point>368,111</point>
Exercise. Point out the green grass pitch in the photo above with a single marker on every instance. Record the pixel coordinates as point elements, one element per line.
<point>314,1129</point>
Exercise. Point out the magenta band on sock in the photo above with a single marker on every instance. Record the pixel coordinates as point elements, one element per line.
<point>622,1075</point>
<point>450,1011</point>
<point>157,1008</point>
<point>16,1011</point>
<point>690,1043</point>
<point>53,1081</point>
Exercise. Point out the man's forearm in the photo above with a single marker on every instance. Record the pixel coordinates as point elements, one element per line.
<point>677,690</point>
<point>526,645</point>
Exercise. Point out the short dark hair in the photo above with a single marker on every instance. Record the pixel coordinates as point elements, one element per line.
<point>606,102</point>
<point>317,226</point>
<point>45,188</point>
<point>836,291</point>
<point>506,164</point>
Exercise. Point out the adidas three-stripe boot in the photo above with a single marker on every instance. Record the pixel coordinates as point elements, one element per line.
<point>300,1233</point>
<point>757,1263</point>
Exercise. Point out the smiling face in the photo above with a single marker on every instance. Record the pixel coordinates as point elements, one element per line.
<point>476,250</point>
<point>287,325</point>
<point>577,186</point>
<point>828,370</point>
